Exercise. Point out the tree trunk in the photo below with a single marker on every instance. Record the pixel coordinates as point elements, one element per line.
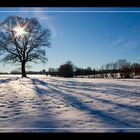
<point>23,69</point>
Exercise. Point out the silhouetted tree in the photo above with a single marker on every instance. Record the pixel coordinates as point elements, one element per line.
<point>126,70</point>
<point>88,71</point>
<point>53,72</point>
<point>23,40</point>
<point>66,70</point>
<point>15,72</point>
<point>43,71</point>
<point>135,68</point>
<point>78,71</point>
<point>121,63</point>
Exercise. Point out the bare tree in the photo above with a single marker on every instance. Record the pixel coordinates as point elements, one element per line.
<point>23,40</point>
<point>121,63</point>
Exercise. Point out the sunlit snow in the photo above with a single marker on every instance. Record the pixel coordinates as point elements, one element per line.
<point>53,104</point>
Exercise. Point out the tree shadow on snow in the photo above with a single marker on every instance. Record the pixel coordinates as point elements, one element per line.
<point>7,80</point>
<point>36,83</point>
<point>103,115</point>
<point>106,101</point>
<point>18,115</point>
<point>113,89</point>
<point>73,101</point>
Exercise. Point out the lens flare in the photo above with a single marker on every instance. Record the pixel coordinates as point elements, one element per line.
<point>19,30</point>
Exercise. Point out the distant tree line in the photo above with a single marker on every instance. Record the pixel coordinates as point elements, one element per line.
<point>4,73</point>
<point>29,72</point>
<point>68,69</point>
<point>120,68</point>
<point>124,68</point>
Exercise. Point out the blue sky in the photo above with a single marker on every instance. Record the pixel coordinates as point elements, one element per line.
<point>85,38</point>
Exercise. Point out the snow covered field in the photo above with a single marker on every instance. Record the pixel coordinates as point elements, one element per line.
<point>52,104</point>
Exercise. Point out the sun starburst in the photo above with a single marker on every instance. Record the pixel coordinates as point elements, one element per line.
<point>20,30</point>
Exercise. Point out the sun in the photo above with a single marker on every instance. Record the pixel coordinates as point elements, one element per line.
<point>19,30</point>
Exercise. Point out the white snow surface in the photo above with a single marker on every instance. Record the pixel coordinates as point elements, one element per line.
<point>53,104</point>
